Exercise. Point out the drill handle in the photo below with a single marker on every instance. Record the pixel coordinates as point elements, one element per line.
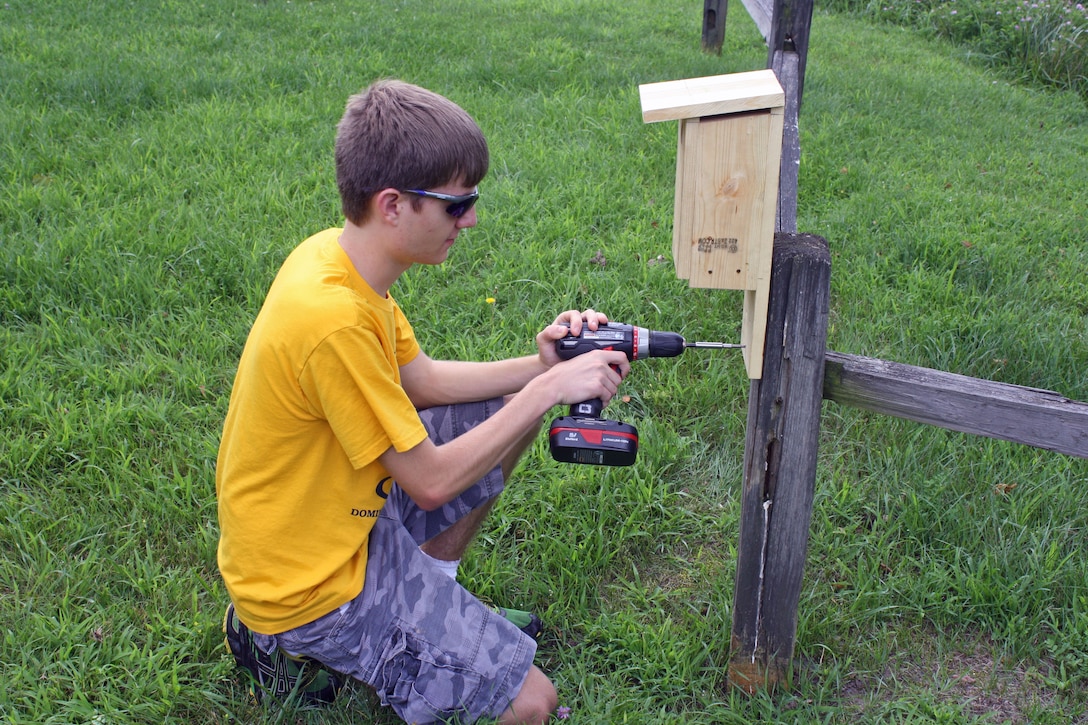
<point>587,409</point>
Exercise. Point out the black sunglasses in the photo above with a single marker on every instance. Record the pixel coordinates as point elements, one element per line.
<point>459,205</point>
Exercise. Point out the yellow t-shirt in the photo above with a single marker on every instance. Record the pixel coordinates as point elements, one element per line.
<point>316,399</point>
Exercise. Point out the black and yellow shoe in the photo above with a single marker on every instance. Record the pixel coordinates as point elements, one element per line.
<point>279,675</point>
<point>527,622</point>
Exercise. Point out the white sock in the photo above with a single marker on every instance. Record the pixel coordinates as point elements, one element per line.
<point>449,567</point>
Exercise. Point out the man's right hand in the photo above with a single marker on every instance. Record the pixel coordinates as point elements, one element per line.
<point>596,374</point>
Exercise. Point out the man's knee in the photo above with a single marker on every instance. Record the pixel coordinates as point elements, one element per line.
<point>535,702</point>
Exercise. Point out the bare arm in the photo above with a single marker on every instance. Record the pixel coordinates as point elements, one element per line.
<point>430,382</point>
<point>433,475</point>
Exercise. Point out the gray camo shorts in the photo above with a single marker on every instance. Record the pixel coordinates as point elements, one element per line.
<point>429,648</point>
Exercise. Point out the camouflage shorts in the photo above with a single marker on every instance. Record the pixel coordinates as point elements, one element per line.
<point>430,649</point>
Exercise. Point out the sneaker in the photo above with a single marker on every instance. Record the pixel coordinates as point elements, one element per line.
<point>527,622</point>
<point>278,674</point>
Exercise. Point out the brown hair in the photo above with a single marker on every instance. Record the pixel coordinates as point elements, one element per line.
<point>395,134</point>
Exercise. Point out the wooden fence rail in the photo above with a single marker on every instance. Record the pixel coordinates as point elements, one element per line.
<point>1039,418</point>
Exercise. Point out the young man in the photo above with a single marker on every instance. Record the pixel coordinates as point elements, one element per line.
<point>354,470</point>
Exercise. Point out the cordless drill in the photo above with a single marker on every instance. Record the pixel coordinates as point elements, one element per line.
<point>584,436</point>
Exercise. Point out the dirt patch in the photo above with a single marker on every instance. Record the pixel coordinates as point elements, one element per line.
<point>977,678</point>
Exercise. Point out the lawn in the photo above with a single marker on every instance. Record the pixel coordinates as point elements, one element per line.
<point>159,160</point>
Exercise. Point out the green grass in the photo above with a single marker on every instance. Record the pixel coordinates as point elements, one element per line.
<point>1042,41</point>
<point>157,162</point>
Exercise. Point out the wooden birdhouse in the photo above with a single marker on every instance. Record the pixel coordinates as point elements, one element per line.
<point>727,162</point>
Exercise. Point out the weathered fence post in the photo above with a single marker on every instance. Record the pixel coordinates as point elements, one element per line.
<point>791,23</point>
<point>780,464</point>
<point>714,25</point>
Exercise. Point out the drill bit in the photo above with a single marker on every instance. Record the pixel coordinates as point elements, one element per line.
<point>713,345</point>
